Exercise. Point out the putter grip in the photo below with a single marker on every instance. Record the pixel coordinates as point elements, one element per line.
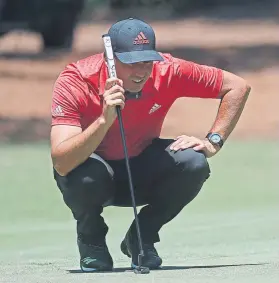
<point>109,56</point>
<point>110,62</point>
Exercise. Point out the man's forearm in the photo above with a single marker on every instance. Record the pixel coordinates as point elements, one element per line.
<point>75,150</point>
<point>230,109</point>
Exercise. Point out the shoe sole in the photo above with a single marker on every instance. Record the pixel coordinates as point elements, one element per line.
<point>95,269</point>
<point>87,269</point>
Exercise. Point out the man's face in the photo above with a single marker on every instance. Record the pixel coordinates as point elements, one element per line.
<point>134,76</point>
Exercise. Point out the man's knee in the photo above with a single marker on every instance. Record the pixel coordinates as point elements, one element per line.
<point>192,162</point>
<point>187,177</point>
<point>88,184</point>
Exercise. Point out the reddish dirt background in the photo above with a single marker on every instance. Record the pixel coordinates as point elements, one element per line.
<point>248,46</point>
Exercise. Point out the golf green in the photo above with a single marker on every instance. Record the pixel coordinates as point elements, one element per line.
<point>229,233</point>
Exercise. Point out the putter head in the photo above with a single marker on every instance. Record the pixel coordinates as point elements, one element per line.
<point>141,270</point>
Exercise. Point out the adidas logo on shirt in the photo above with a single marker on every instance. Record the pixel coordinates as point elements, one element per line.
<point>58,111</point>
<point>154,108</point>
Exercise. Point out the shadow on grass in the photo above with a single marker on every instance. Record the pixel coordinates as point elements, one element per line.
<point>170,267</point>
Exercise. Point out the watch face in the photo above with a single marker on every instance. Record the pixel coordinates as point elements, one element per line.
<point>215,138</point>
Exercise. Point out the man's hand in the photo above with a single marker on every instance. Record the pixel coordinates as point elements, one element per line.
<point>113,96</point>
<point>184,142</point>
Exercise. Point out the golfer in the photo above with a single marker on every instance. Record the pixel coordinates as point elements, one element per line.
<point>87,150</point>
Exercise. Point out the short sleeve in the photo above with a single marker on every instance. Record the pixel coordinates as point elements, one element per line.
<point>66,99</point>
<point>195,80</point>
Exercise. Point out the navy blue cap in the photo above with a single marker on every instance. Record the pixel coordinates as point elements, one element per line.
<point>133,41</point>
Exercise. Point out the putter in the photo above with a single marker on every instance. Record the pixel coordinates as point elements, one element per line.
<point>112,73</point>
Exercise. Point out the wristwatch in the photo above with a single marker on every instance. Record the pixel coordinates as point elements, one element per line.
<point>215,139</point>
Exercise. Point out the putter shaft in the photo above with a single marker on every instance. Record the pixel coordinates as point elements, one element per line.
<point>119,115</point>
<point>112,74</point>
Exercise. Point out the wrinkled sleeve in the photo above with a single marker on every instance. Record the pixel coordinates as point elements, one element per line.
<point>195,80</point>
<point>66,99</point>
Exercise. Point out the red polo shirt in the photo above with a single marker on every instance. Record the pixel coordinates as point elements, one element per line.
<point>76,99</point>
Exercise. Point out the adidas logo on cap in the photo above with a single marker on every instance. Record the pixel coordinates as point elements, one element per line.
<point>141,39</point>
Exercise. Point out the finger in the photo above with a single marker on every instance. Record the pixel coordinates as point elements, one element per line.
<point>114,89</point>
<point>180,140</point>
<point>115,102</point>
<point>180,145</point>
<point>115,95</point>
<point>175,144</point>
<point>113,81</point>
<point>184,142</point>
<point>189,144</point>
<point>186,139</point>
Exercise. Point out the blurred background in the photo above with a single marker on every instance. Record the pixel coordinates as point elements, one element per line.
<point>39,38</point>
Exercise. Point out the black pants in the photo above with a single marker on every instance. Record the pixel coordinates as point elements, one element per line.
<point>164,181</point>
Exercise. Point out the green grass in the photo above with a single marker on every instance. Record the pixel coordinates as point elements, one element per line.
<point>243,175</point>
<point>233,219</point>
